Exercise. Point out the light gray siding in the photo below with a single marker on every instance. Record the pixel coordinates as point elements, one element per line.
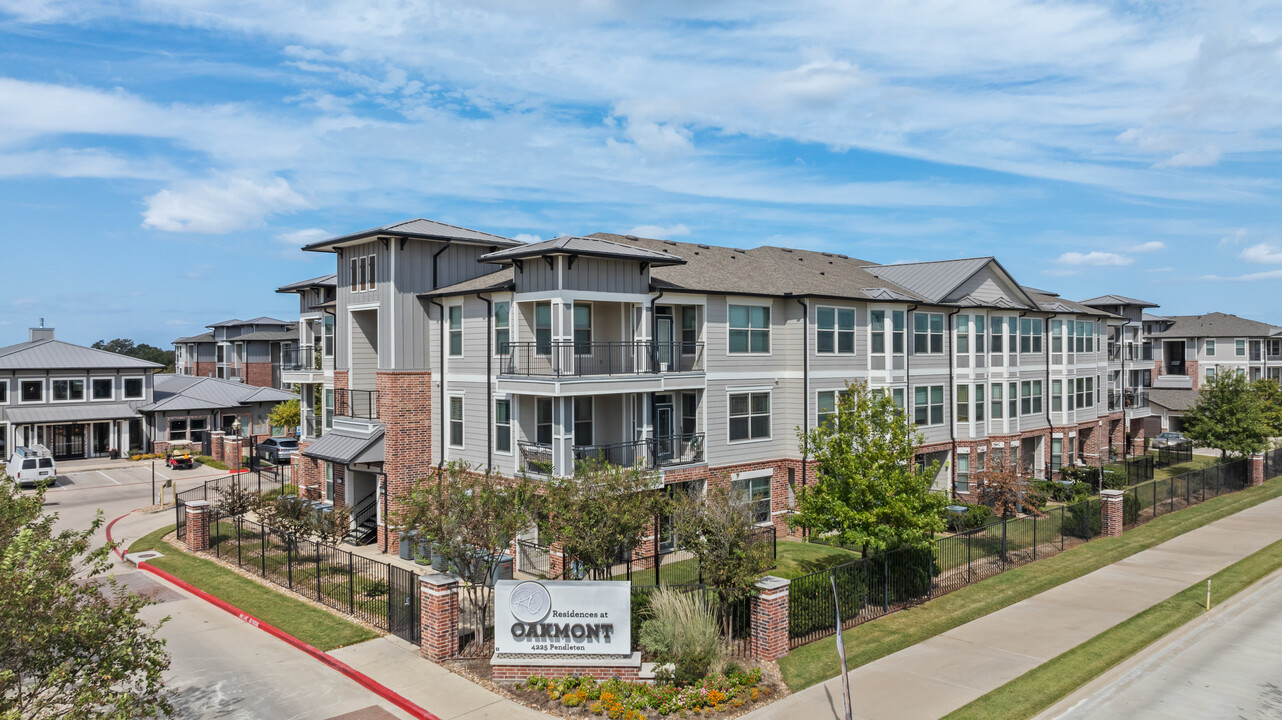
<point>606,275</point>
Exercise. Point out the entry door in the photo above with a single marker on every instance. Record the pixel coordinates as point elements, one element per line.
<point>101,438</point>
<point>1174,353</point>
<point>68,441</point>
<point>663,429</point>
<point>663,339</point>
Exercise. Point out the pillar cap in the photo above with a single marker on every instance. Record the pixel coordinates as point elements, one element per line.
<point>770,582</point>
<point>199,504</point>
<point>1111,494</point>
<point>440,579</point>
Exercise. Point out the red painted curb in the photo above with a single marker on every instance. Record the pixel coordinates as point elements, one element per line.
<point>119,554</point>
<point>359,677</point>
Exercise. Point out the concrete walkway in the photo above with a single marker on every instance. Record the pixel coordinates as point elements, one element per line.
<point>935,677</point>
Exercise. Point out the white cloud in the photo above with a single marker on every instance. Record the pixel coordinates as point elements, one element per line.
<point>1150,246</point>
<point>220,205</point>
<point>1249,277</point>
<point>1096,258</point>
<point>1234,238</point>
<point>527,238</point>
<point>1159,270</point>
<point>1262,253</point>
<point>1204,157</point>
<point>299,238</point>
<point>660,231</point>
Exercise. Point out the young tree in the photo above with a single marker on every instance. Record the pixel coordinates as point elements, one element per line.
<point>290,516</point>
<point>1269,392</point>
<point>1000,487</point>
<point>868,490</point>
<point>1228,416</point>
<point>599,511</point>
<point>70,649</point>
<point>331,527</point>
<point>732,552</point>
<point>469,519</point>
<point>285,415</point>
<point>235,501</point>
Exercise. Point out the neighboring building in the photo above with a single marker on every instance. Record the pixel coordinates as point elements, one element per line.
<point>698,361</point>
<point>310,365</point>
<point>187,408</point>
<point>77,401</point>
<point>1130,363</point>
<point>248,351</point>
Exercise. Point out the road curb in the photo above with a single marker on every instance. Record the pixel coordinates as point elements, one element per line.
<point>359,677</point>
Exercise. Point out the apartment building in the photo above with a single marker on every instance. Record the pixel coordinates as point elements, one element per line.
<point>700,362</point>
<point>310,364</point>
<point>248,351</point>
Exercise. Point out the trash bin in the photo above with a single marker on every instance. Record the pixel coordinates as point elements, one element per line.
<point>502,570</point>
<point>404,540</point>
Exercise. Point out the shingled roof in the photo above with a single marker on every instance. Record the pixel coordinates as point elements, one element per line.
<point>1216,324</point>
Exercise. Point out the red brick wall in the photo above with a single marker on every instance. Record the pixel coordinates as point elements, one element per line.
<point>309,474</point>
<point>404,408</point>
<point>1190,369</point>
<point>206,369</point>
<point>1137,436</point>
<point>258,374</point>
<point>340,379</point>
<point>769,629</point>
<point>514,673</point>
<point>1111,507</point>
<point>438,619</point>
<point>720,477</point>
<point>340,486</point>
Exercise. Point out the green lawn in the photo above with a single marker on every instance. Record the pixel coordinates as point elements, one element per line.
<point>817,661</point>
<point>794,558</point>
<point>316,627</point>
<point>1050,682</point>
<point>1197,463</point>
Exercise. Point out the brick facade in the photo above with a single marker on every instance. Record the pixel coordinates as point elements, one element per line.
<point>258,374</point>
<point>1137,436</point>
<point>1257,469</point>
<point>340,379</point>
<point>404,408</point>
<point>1111,508</point>
<point>216,438</point>
<point>438,616</point>
<point>232,452</point>
<point>198,516</point>
<point>309,473</point>
<point>206,369</point>
<point>515,673</point>
<point>769,630</point>
<point>779,485</point>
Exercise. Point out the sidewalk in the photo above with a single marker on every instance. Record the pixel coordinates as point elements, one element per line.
<point>935,677</point>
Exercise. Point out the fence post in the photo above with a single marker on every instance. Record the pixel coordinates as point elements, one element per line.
<point>1112,512</point>
<point>1004,522</point>
<point>262,547</point>
<point>1061,528</point>
<point>1034,537</point>
<point>197,525</point>
<point>318,573</point>
<point>930,590</point>
<point>969,535</point>
<point>885,585</point>
<point>289,561</point>
<point>351,586</point>
<point>438,616</point>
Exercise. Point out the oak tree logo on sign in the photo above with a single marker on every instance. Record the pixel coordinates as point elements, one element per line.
<point>530,602</point>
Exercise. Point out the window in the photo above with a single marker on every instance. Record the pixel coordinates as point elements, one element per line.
<point>1057,391</point>
<point>369,274</point>
<point>749,416</point>
<point>980,457</point>
<point>979,334</point>
<point>689,414</point>
<point>997,337</point>
<point>456,421</point>
<point>456,330</point>
<point>897,397</point>
<point>836,333</point>
<point>198,426</point>
<point>1275,347</point>
<point>329,481</point>
<point>749,329</point>
<point>502,327</point>
<point>31,390</point>
<point>582,329</point>
<point>689,329</point>
<point>1057,453</point>
<point>503,426</point>
<point>997,401</point>
<point>4,441</point>
<point>898,332</point>
<point>1030,335</point>
<point>543,328</point>
<point>355,277</point>
<point>1057,330</point>
<point>66,390</point>
<point>583,420</point>
<point>829,401</point>
<point>1012,400</point>
<point>102,388</point>
<point>177,429</point>
<point>877,334</point>
<point>329,409</point>
<point>756,492</point>
<point>4,397</point>
<point>329,335</point>
<point>979,402</point>
<point>928,333</point>
<point>543,421</point>
<point>963,474</point>
<point>1030,397</point>
<point>962,323</point>
<point>1239,348</point>
<point>1012,337</point>
<point>963,403</point>
<point>1210,348</point>
<point>928,405</point>
<point>1210,373</point>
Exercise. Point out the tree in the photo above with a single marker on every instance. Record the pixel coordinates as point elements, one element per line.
<point>869,491</point>
<point>1000,486</point>
<point>469,519</point>
<point>141,351</point>
<point>331,527</point>
<point>600,511</point>
<point>1269,392</point>
<point>290,516</point>
<point>1228,416</point>
<point>236,500</point>
<point>285,415</point>
<point>70,649</point>
<point>732,553</point>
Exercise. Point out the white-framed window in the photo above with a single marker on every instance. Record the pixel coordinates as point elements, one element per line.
<point>689,329</point>
<point>897,397</point>
<point>370,276</point>
<point>835,330</point>
<point>327,331</point>
<point>503,426</point>
<point>877,332</point>
<point>963,473</point>
<point>582,328</point>
<point>755,491</point>
<point>749,329</point>
<point>961,325</point>
<point>355,279</point>
<point>583,429</point>
<point>329,409</point>
<point>31,391</point>
<point>1012,401</point>
<point>1057,333</point>
<point>1057,453</point>
<point>828,401</point>
<point>456,421</point>
<point>102,388</point>
<point>1274,347</point>
<point>4,396</point>
<point>197,426</point>
<point>979,401</point>
<point>66,389</point>
<point>1057,395</point>
<point>502,327</point>
<point>543,421</point>
<point>454,314</point>
<point>177,429</point>
<point>980,334</point>
<point>133,387</point>
<point>996,397</point>
<point>928,404</point>
<point>1030,335</point>
<point>329,481</point>
<point>1030,397</point>
<point>749,416</point>
<point>928,333</point>
<point>996,327</point>
<point>543,328</point>
<point>1210,372</point>
<point>963,403</point>
<point>1239,348</point>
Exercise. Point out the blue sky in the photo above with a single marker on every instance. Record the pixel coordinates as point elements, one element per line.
<point>162,161</point>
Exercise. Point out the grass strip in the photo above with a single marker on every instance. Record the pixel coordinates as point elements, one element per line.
<point>314,626</point>
<point>1048,683</point>
<point>817,661</point>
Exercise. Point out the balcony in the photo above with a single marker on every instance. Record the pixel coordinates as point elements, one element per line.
<point>361,404</point>
<point>313,426</point>
<point>649,454</point>
<point>601,359</point>
<point>304,358</point>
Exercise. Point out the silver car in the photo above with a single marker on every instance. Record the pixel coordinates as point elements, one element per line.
<point>1169,439</point>
<point>278,449</point>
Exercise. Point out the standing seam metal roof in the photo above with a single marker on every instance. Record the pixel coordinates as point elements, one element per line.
<point>59,355</point>
<point>418,227</point>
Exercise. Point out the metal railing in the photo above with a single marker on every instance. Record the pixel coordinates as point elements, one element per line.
<point>534,458</point>
<point>313,426</point>
<point>570,359</point>
<point>1174,454</point>
<point>650,453</point>
<point>664,565</point>
<point>1135,399</point>
<point>303,358</point>
<point>356,403</point>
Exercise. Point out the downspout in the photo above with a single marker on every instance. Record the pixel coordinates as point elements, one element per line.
<point>1046,399</point>
<point>434,256</point>
<point>805,386</point>
<point>654,361</point>
<point>1126,445</point>
<point>950,329</point>
<point>440,465</point>
<point>489,382</point>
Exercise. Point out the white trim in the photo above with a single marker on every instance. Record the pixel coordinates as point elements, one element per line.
<point>511,427</point>
<point>752,474</point>
<point>84,389</point>
<point>449,330</point>
<point>493,328</point>
<point>573,295</point>
<point>771,415</point>
<point>5,399</point>
<point>449,440</point>
<point>750,302</point>
<point>124,395</point>
<point>854,332</point>
<point>112,378</point>
<point>44,391</point>
<point>362,306</point>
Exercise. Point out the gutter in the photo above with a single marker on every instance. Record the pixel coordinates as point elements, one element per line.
<point>952,410</point>
<point>489,382</point>
<point>805,386</point>
<point>1046,352</point>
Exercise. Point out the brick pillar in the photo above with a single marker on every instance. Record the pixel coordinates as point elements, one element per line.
<point>556,561</point>
<point>216,444</point>
<point>1112,512</point>
<point>770,619</point>
<point>404,408</point>
<point>231,452</point>
<point>1257,469</point>
<point>198,512</point>
<point>439,619</point>
<point>309,474</point>
<point>1137,436</point>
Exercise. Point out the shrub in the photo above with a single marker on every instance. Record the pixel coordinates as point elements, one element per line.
<point>682,631</point>
<point>1083,520</point>
<point>976,517</point>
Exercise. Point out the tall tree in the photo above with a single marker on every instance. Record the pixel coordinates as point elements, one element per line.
<point>69,648</point>
<point>601,510</point>
<point>1269,393</point>
<point>1228,416</point>
<point>142,351</point>
<point>869,491</point>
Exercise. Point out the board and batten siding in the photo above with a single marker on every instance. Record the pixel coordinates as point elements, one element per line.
<point>591,274</point>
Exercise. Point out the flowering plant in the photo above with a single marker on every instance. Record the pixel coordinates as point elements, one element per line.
<point>626,700</point>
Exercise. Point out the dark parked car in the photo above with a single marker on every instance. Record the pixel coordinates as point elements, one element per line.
<point>277,449</point>
<point>1169,439</point>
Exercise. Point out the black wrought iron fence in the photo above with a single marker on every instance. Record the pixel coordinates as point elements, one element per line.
<point>664,565</point>
<point>1174,454</point>
<point>1155,498</point>
<point>735,616</point>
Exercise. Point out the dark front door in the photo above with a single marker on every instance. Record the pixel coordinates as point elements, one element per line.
<point>663,429</point>
<point>68,441</point>
<point>1174,354</point>
<point>101,438</point>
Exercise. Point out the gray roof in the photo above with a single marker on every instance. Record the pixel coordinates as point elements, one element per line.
<point>1150,317</point>
<point>416,228</point>
<point>1216,324</point>
<point>586,246</point>
<point>1172,399</point>
<point>59,355</point>
<point>203,337</point>
<point>340,446</point>
<point>267,335</point>
<point>936,281</point>
<point>1118,300</point>
<point>261,320</point>
<point>1057,304</point>
<point>497,280</point>
<point>69,413</point>
<point>188,392</point>
<point>330,280</point>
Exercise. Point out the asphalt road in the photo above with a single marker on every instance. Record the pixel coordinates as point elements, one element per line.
<point>220,667</point>
<point>1229,667</point>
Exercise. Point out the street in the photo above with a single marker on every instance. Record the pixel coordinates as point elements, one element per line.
<point>221,667</point>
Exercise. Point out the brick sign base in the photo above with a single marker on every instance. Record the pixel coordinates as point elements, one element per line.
<point>516,669</point>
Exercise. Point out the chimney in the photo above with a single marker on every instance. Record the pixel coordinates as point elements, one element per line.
<point>42,332</point>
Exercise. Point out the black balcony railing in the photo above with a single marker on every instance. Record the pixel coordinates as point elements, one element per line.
<point>356,403</point>
<point>577,359</point>
<point>680,449</point>
<point>313,426</point>
<point>1133,399</point>
<point>535,458</point>
<point>304,358</point>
